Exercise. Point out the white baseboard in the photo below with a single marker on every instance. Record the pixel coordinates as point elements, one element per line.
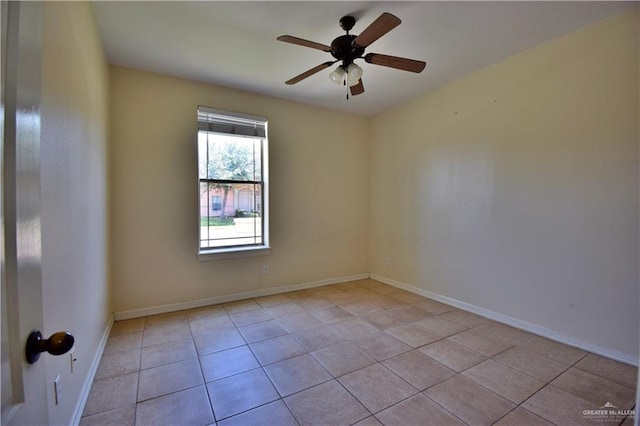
<point>173,307</point>
<point>514,322</point>
<point>91,374</point>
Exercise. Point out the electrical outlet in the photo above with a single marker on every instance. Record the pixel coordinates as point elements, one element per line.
<point>387,260</point>
<point>265,269</point>
<point>57,387</point>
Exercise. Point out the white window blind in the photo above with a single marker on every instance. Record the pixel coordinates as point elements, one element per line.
<point>231,123</point>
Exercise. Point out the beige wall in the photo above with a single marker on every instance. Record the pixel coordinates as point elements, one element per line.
<point>319,193</point>
<point>73,194</point>
<point>519,188</point>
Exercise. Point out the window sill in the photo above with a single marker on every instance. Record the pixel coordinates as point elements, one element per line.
<point>233,253</point>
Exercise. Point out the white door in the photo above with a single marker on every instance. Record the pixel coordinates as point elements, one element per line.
<point>24,387</point>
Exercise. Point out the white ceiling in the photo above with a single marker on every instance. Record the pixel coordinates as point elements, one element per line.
<point>234,43</point>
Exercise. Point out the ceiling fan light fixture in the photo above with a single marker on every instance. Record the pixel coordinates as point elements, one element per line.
<point>352,81</point>
<point>337,76</point>
<point>354,72</point>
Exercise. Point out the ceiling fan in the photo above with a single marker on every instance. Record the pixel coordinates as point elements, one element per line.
<point>349,47</point>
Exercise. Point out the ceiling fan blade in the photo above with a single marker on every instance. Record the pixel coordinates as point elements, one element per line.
<point>395,62</point>
<point>309,73</point>
<point>305,43</point>
<point>358,89</point>
<point>385,23</point>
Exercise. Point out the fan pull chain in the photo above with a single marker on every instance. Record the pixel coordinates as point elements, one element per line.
<point>344,83</point>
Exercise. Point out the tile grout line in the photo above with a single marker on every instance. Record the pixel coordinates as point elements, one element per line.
<point>135,405</point>
<point>204,381</point>
<point>272,384</point>
<point>548,383</point>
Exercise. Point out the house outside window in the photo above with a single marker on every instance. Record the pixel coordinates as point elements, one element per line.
<point>233,182</point>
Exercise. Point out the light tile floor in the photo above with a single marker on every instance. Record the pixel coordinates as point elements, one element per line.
<point>354,353</point>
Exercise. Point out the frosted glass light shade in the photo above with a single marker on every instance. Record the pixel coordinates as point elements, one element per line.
<point>354,73</point>
<point>337,76</point>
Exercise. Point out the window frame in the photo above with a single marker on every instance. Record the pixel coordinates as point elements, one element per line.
<point>228,252</point>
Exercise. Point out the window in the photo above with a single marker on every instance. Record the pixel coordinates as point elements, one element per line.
<point>232,176</point>
<point>216,203</point>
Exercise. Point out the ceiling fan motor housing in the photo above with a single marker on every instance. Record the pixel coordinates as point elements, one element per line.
<point>343,49</point>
